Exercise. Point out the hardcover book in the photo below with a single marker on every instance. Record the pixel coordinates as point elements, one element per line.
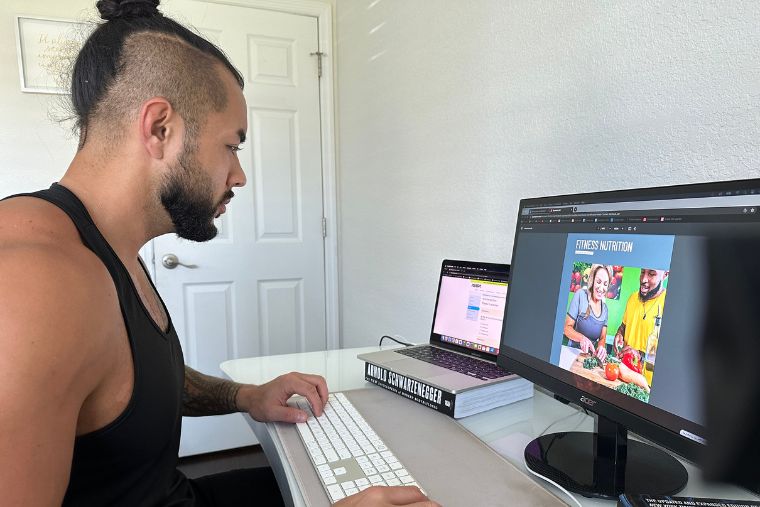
<point>627,500</point>
<point>455,405</point>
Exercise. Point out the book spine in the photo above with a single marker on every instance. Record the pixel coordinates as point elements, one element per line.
<point>422,393</point>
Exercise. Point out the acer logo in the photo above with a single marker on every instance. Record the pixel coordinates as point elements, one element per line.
<point>588,401</point>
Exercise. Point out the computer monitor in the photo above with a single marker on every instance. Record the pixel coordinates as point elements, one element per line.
<point>619,275</point>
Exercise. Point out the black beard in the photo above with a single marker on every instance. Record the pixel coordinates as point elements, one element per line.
<point>182,196</point>
<point>652,293</point>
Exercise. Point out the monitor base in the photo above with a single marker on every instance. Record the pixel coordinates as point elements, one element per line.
<point>573,460</point>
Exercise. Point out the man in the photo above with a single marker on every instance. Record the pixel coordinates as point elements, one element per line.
<point>92,385</point>
<point>642,311</point>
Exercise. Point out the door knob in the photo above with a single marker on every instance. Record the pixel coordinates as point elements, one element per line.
<point>171,261</point>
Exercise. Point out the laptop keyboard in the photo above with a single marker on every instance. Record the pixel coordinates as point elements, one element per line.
<point>346,452</point>
<point>482,370</point>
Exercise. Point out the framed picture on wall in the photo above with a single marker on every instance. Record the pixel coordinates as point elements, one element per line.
<point>46,49</point>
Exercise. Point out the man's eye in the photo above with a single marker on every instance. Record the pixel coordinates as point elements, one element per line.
<point>234,149</point>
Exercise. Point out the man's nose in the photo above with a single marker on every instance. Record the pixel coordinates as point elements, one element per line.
<point>237,177</point>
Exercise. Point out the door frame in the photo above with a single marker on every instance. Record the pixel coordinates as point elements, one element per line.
<point>322,11</point>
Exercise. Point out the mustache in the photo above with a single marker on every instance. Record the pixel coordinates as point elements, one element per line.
<point>228,195</point>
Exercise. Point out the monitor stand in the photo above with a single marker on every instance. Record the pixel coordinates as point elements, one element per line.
<point>605,464</point>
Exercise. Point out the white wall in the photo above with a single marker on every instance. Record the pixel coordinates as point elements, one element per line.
<point>451,111</point>
<point>34,149</point>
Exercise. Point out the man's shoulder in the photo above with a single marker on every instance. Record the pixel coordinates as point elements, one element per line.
<point>45,269</point>
<point>32,226</point>
<point>25,220</point>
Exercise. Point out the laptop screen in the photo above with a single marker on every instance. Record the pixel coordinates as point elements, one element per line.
<point>469,310</point>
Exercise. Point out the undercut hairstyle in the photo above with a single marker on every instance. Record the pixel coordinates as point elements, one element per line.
<point>139,53</point>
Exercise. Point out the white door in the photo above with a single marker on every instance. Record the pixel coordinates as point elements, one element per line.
<point>258,288</point>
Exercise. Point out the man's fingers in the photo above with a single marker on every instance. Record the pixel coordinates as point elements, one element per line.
<point>320,383</point>
<point>404,495</point>
<point>286,414</point>
<point>401,495</point>
<point>297,384</point>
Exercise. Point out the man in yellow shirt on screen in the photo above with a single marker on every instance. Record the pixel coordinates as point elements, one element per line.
<point>642,312</point>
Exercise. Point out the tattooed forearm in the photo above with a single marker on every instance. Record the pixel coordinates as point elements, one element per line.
<point>206,395</point>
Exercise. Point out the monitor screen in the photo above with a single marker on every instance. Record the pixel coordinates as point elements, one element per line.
<point>469,311</point>
<point>607,298</point>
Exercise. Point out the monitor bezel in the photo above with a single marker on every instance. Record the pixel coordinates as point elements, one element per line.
<point>646,420</point>
<point>435,338</point>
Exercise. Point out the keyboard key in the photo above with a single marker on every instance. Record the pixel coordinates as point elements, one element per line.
<point>336,493</point>
<point>375,479</point>
<point>347,484</point>
<point>362,482</point>
<point>394,482</point>
<point>340,471</point>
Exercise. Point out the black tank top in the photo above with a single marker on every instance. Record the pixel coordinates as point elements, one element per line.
<point>133,460</point>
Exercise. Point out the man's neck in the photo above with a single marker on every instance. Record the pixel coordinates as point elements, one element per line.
<point>119,201</point>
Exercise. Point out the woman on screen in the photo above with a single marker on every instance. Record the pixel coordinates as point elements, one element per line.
<point>586,320</point>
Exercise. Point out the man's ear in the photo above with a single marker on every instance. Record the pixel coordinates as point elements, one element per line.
<point>160,127</point>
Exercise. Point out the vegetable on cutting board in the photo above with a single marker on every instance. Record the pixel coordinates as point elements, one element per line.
<point>611,371</point>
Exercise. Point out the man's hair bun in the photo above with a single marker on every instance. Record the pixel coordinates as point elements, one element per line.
<point>114,9</point>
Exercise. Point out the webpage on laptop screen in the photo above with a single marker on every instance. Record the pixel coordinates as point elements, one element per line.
<point>470,312</point>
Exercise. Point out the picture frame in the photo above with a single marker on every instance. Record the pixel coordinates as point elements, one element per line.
<point>46,49</point>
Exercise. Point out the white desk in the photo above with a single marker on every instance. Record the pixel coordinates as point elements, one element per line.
<point>506,429</point>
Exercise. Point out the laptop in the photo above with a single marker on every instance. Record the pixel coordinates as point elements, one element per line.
<point>466,332</point>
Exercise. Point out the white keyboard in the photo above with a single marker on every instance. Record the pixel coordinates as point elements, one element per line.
<point>346,452</point>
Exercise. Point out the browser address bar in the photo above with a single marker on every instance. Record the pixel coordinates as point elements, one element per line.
<point>662,204</point>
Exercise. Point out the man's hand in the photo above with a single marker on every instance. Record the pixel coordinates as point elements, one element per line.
<point>382,496</point>
<point>268,402</point>
<point>619,343</point>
